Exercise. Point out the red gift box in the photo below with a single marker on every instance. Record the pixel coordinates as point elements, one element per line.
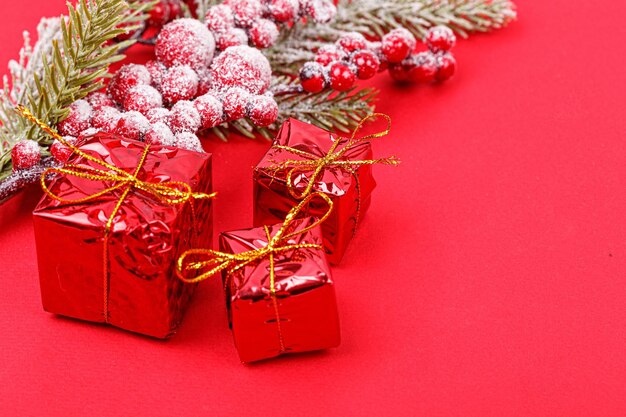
<point>279,290</point>
<point>107,244</point>
<point>295,165</point>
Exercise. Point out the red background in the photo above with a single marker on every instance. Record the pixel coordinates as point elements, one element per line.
<point>487,280</point>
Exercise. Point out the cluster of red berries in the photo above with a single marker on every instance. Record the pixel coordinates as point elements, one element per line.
<point>239,22</point>
<point>353,57</point>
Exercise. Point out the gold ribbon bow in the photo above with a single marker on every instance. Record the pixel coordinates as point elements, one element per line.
<point>219,261</point>
<point>333,157</point>
<point>171,193</point>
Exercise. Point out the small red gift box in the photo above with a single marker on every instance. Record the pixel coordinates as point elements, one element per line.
<point>299,162</point>
<point>108,240</point>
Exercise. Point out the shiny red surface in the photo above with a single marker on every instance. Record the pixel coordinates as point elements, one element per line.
<point>486,280</point>
<point>302,317</point>
<point>147,236</point>
<point>350,191</point>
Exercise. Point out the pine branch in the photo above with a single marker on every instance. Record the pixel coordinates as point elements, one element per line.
<point>374,18</point>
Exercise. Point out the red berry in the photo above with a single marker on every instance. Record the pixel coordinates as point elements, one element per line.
<point>219,18</point>
<point>283,11</point>
<point>398,72</point>
<point>156,70</point>
<point>61,152</point>
<point>158,115</point>
<point>179,83</point>
<point>142,98</point>
<point>397,45</point>
<point>262,110</point>
<point>241,66</point>
<point>185,42</point>
<point>352,41</point>
<point>126,78</point>
<point>366,63</point>
<point>160,134</point>
<point>447,67</point>
<point>132,125</point>
<point>234,102</point>
<point>189,141</point>
<point>176,9</point>
<point>263,33</point>
<point>25,154</point>
<point>246,12</point>
<point>105,119</point>
<point>312,77</point>
<point>99,99</point>
<point>77,120</point>
<point>440,39</point>
<point>204,82</point>
<point>329,53</point>
<point>210,110</point>
<point>422,67</point>
<point>184,117</point>
<point>160,14</point>
<point>341,77</point>
<point>321,11</point>
<point>231,37</point>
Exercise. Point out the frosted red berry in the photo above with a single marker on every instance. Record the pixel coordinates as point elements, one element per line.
<point>398,72</point>
<point>367,64</point>
<point>185,42</point>
<point>179,83</point>
<point>329,53</point>
<point>158,115</point>
<point>262,110</point>
<point>159,14</point>
<point>397,45</point>
<point>283,11</point>
<point>204,81</point>
<point>312,77</point>
<point>234,102</point>
<point>99,99</point>
<point>126,78</point>
<point>132,125</point>
<point>105,119</point>
<point>189,141</point>
<point>341,76</point>
<point>59,151</point>
<point>446,67</point>
<point>219,18</point>
<point>142,98</point>
<point>184,117</point>
<point>246,12</point>
<point>160,134</point>
<point>78,119</point>
<point>440,39</point>
<point>241,66</point>
<point>352,42</point>
<point>321,11</point>
<point>231,37</point>
<point>263,33</point>
<point>422,67</point>
<point>156,70</point>
<point>210,109</point>
<point>25,154</point>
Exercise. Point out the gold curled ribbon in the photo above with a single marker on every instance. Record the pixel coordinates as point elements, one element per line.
<point>171,193</point>
<point>317,164</point>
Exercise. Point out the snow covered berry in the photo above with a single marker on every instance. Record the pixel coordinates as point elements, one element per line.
<point>105,119</point>
<point>189,141</point>
<point>126,78</point>
<point>185,42</point>
<point>219,18</point>
<point>367,64</point>
<point>341,76</point>
<point>321,11</point>
<point>283,11</point>
<point>262,110</point>
<point>158,115</point>
<point>421,67</point>
<point>312,77</point>
<point>99,99</point>
<point>329,53</point>
<point>59,151</point>
<point>446,66</point>
<point>263,33</point>
<point>397,45</point>
<point>231,37</point>
<point>246,12</point>
<point>234,102</point>
<point>159,14</point>
<point>204,81</point>
<point>77,120</point>
<point>142,98</point>
<point>398,72</point>
<point>242,66</point>
<point>179,83</point>
<point>156,70</point>
<point>440,39</point>
<point>184,117</point>
<point>352,41</point>
<point>132,125</point>
<point>25,154</point>
<point>210,109</point>
<point>160,134</point>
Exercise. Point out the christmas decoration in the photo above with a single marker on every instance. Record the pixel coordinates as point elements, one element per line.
<point>279,290</point>
<point>303,159</point>
<point>117,227</point>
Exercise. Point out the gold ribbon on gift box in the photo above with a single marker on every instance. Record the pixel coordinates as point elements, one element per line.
<point>171,192</point>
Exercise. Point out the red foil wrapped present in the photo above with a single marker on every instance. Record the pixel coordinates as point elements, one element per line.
<point>108,240</point>
<point>305,158</point>
<point>279,290</point>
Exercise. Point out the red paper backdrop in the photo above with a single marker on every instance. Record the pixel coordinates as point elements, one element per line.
<point>487,280</point>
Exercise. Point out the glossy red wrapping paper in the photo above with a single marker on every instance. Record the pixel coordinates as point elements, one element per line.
<point>351,193</point>
<point>147,235</point>
<point>301,317</point>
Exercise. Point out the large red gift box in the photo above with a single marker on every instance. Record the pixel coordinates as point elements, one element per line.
<point>122,274</point>
<point>297,314</point>
<point>350,187</point>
